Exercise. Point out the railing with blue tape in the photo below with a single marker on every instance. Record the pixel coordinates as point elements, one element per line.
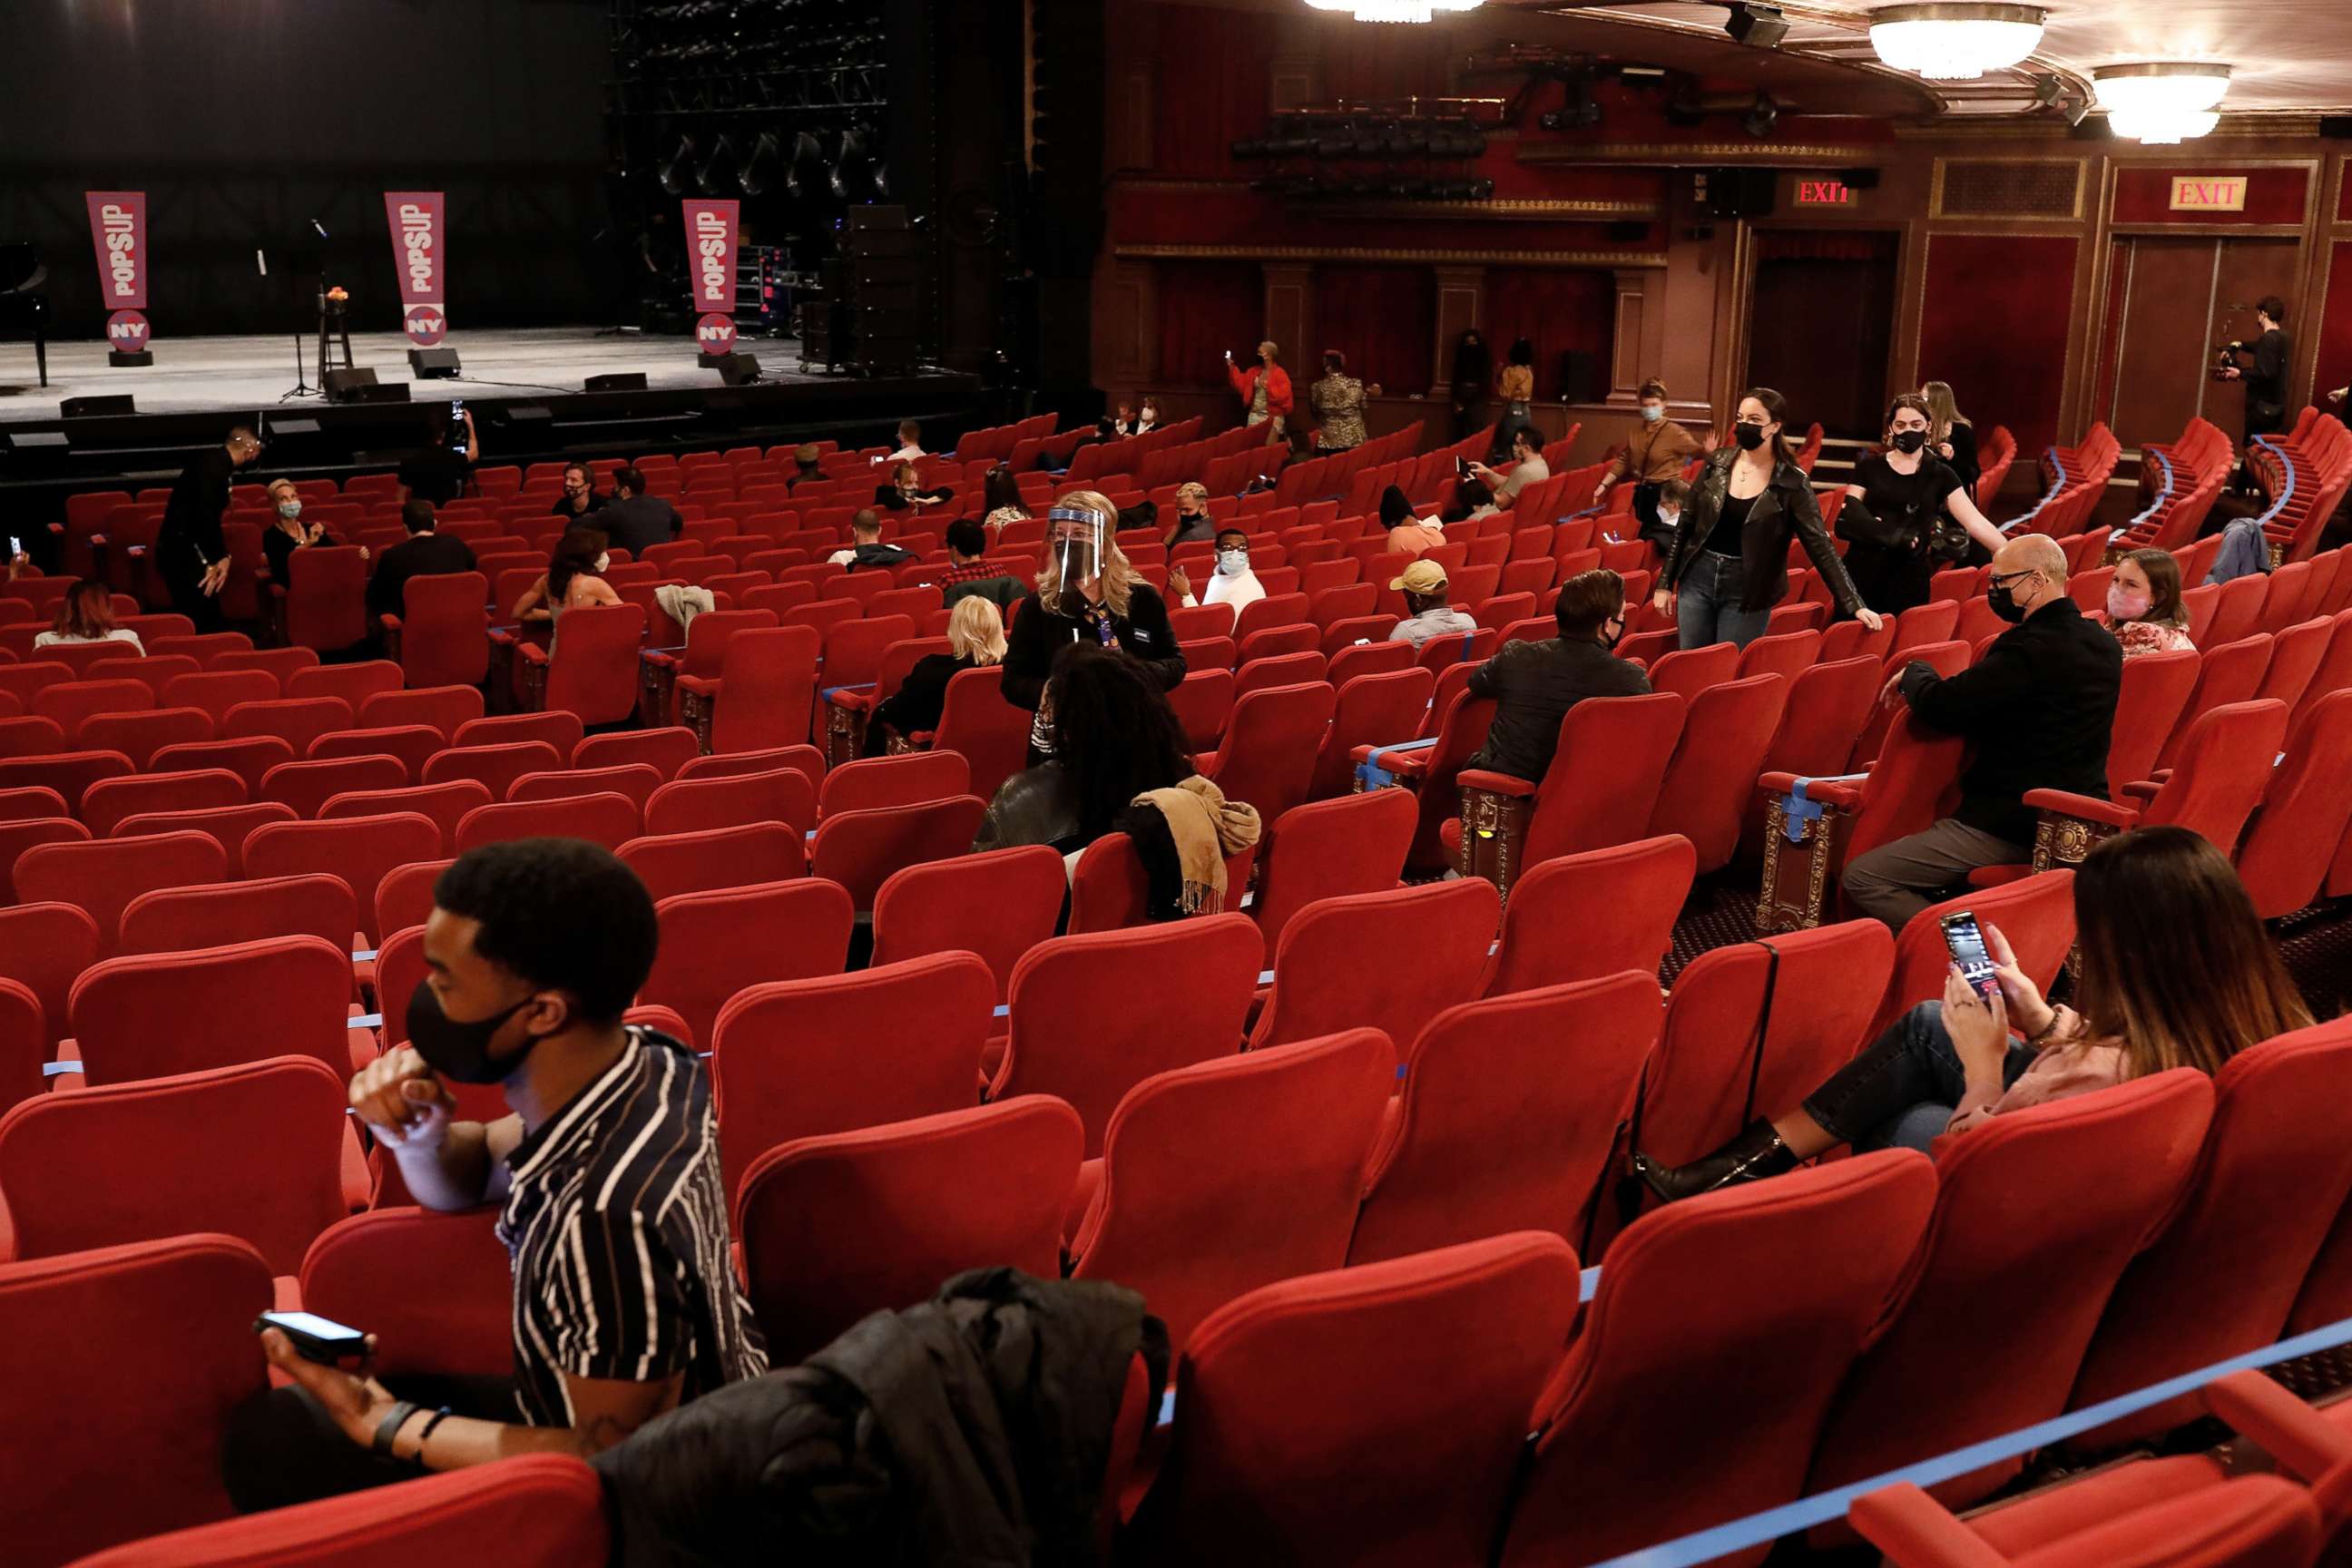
<point>2163,495</point>
<point>2058,485</point>
<point>1821,1508</point>
<point>1375,776</point>
<point>1798,808</point>
<point>2286,491</point>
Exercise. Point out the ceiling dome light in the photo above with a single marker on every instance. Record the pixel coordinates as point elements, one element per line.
<point>1394,10</point>
<point>1955,40</point>
<point>2162,101</point>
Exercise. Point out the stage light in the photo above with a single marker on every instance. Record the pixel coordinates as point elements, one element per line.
<point>853,172</point>
<point>1759,27</point>
<point>673,171</point>
<point>805,174</point>
<point>1760,119</point>
<point>759,172</point>
<point>1955,40</point>
<point>716,173</point>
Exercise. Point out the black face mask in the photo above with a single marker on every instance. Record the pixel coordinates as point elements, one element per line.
<point>1910,440</point>
<point>2004,603</point>
<point>1609,640</point>
<point>1750,436</point>
<point>457,1050</point>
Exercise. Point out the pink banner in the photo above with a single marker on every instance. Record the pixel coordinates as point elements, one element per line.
<point>420,258</point>
<point>711,233</point>
<point>117,228</point>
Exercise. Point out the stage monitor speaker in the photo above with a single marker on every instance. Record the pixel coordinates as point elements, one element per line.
<point>1739,192</point>
<point>619,381</point>
<point>1580,377</point>
<point>737,369</point>
<point>433,364</point>
<point>97,407</point>
<point>359,386</point>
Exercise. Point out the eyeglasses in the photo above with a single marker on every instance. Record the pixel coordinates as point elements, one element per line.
<point>2003,579</point>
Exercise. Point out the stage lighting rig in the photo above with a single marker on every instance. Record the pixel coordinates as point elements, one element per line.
<point>1759,27</point>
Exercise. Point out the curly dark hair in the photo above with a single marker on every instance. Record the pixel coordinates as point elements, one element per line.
<point>1113,733</point>
<point>561,913</point>
<point>575,555</point>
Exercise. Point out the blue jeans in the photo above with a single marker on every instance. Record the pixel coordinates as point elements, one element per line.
<point>1901,1090</point>
<point>1706,604</point>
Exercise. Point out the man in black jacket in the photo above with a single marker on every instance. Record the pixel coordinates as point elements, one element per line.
<point>423,553</point>
<point>2038,708</point>
<point>634,521</point>
<point>190,556</point>
<point>2265,379</point>
<point>1534,684</point>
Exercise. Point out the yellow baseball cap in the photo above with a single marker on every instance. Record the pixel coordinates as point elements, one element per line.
<point>1421,577</point>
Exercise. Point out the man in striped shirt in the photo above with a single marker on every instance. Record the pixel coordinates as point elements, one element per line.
<point>614,1214</point>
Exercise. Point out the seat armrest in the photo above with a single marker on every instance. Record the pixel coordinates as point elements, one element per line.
<point>2305,1444</point>
<point>2066,803</point>
<point>2145,790</point>
<point>1495,784</point>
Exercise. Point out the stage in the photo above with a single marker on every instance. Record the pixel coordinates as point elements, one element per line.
<point>524,388</point>
<point>243,375</point>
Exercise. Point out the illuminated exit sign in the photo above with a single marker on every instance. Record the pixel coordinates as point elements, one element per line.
<point>1824,194</point>
<point>2208,194</point>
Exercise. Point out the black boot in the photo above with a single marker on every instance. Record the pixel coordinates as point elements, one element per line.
<point>1753,1155</point>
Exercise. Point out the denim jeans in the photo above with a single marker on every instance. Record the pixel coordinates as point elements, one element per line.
<point>1706,604</point>
<point>1901,1090</point>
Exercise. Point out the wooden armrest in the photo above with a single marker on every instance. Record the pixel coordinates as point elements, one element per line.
<point>2066,803</point>
<point>1496,783</point>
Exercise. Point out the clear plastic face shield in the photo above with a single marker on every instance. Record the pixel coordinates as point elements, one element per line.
<point>1074,550</point>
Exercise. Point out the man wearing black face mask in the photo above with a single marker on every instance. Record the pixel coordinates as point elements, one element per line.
<point>615,1213</point>
<point>2040,706</point>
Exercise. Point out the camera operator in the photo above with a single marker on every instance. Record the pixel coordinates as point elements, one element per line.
<point>614,1214</point>
<point>2265,379</point>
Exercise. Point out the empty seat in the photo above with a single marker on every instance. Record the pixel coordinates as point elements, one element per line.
<point>1329,849</point>
<point>44,947</point>
<point>636,781</point>
<point>446,804</point>
<point>2252,1522</point>
<point>560,730</point>
<point>227,826</point>
<point>364,1268</point>
<point>1708,785</point>
<point>107,804</point>
<point>911,778</point>
<point>1155,998</point>
<point>307,785</point>
<point>216,692</point>
<point>1186,1210</point>
<point>249,758</point>
<point>405,898</point>
<point>68,772</point>
<point>298,721</point>
<point>172,1320</point>
<point>177,919</point>
<point>673,863</point>
<point>1604,779</point>
<point>253,1150</point>
<point>355,683</point>
<point>1377,1413</point>
<point>862,850</point>
<point>591,671</point>
<point>443,709</point>
<point>1323,982</point>
<point>609,820</point>
<point>102,878</point>
<point>873,1219</point>
<point>1506,1117</point>
<point>495,765</point>
<point>1271,741</point>
<point>690,806</point>
<point>413,745</point>
<point>358,850</point>
<point>1646,1431</point>
<point>146,1015</point>
<point>666,750</point>
<point>1580,917</point>
<point>802,1058</point>
<point>139,735</point>
<point>998,905</point>
<point>717,944</point>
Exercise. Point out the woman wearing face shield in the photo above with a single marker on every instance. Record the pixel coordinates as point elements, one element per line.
<point>1086,592</point>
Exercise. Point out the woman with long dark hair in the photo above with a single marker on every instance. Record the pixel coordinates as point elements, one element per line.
<point>85,615</point>
<point>1113,738</point>
<point>1726,563</point>
<point>1907,516</point>
<point>2176,972</point>
<point>2144,605</point>
<point>1001,495</point>
<point>574,579</point>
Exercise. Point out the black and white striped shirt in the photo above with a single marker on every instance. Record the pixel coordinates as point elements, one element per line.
<point>616,1222</point>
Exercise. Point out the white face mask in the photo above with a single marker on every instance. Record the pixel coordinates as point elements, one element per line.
<point>1668,519</point>
<point>1231,563</point>
<point>604,563</point>
<point>289,509</point>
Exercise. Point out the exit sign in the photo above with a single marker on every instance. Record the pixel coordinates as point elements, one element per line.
<point>2209,194</point>
<point>1824,194</point>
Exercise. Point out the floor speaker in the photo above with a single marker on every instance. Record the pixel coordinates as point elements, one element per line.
<point>355,386</point>
<point>433,364</point>
<point>618,381</point>
<point>737,369</point>
<point>97,407</point>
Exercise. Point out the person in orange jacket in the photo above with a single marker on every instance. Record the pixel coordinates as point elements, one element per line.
<point>1265,391</point>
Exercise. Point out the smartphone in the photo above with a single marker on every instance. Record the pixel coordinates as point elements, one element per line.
<point>1967,945</point>
<point>16,547</point>
<point>315,1338</point>
<point>1462,467</point>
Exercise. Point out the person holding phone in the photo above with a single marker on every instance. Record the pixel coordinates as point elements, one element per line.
<point>2177,972</point>
<point>607,1170</point>
<point>440,470</point>
<point>1264,391</point>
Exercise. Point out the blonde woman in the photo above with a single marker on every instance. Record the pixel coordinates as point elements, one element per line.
<point>1086,592</point>
<point>976,640</point>
<point>1950,436</point>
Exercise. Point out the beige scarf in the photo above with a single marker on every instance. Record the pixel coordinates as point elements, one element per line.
<point>1206,827</point>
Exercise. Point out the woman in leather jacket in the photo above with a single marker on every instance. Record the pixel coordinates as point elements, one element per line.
<point>1113,737</point>
<point>1727,565</point>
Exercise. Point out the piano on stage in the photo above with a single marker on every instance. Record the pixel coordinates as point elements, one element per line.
<point>23,306</point>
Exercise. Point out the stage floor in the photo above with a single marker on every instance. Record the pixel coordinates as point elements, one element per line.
<point>241,374</point>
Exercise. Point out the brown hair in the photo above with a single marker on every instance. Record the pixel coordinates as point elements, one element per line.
<point>2163,574</point>
<point>85,611</point>
<point>1676,490</point>
<point>2176,967</point>
<point>1588,602</point>
<point>1943,410</point>
<point>1653,387</point>
<point>1775,411</point>
<point>576,554</point>
<point>1916,403</point>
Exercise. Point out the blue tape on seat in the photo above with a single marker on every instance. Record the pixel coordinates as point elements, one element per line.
<point>1796,808</point>
<point>58,1069</point>
<point>363,955</point>
<point>1588,1283</point>
<point>1378,777</point>
<point>1757,1529</point>
<point>857,686</point>
<point>365,1021</point>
